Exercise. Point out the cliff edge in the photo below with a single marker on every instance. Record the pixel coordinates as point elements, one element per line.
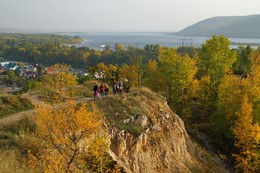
<point>147,137</point>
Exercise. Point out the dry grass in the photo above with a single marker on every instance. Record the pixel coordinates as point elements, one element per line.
<point>116,109</point>
<point>12,134</point>
<point>212,162</point>
<point>12,162</point>
<point>13,138</point>
<point>10,104</point>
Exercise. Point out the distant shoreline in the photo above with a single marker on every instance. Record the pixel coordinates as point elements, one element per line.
<point>94,40</point>
<point>244,44</point>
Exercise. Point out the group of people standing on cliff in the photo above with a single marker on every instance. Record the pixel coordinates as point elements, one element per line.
<point>103,89</point>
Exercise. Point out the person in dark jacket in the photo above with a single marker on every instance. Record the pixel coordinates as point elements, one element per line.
<point>95,89</point>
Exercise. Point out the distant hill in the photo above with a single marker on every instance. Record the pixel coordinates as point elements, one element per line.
<point>229,26</point>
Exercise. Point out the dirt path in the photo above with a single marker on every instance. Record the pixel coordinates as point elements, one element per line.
<point>32,97</point>
<point>35,101</point>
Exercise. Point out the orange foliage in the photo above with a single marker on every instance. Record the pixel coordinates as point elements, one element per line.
<point>247,136</point>
<point>67,132</point>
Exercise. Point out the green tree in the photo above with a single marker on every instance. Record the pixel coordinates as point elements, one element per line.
<point>20,64</point>
<point>244,61</point>
<point>215,60</point>
<point>11,77</point>
<point>178,72</point>
<point>151,52</point>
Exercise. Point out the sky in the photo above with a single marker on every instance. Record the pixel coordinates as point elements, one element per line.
<point>117,15</point>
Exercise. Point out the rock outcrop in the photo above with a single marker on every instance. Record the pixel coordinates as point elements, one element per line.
<point>163,145</point>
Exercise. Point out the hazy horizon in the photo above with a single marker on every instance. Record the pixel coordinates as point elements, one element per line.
<point>116,15</point>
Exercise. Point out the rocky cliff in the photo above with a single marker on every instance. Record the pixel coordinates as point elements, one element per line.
<point>157,141</point>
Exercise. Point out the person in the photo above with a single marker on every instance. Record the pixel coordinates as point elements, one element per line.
<point>102,89</point>
<point>120,84</point>
<point>95,89</point>
<point>114,88</point>
<point>117,86</point>
<point>106,89</point>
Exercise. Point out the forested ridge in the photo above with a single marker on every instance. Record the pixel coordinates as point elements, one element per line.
<point>229,26</point>
<point>52,49</point>
<point>213,86</point>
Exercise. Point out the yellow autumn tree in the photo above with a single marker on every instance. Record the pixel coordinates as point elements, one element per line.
<point>67,132</point>
<point>153,78</point>
<point>231,92</point>
<point>102,68</point>
<point>247,140</point>
<point>111,73</point>
<point>129,73</point>
<point>60,84</point>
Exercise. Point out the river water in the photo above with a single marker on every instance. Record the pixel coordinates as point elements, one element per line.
<point>136,39</point>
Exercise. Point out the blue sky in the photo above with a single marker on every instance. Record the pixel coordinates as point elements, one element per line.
<point>117,15</point>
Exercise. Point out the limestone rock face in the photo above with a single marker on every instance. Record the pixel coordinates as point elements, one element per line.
<point>163,146</point>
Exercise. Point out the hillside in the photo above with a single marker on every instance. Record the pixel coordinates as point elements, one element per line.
<point>229,26</point>
<point>145,135</point>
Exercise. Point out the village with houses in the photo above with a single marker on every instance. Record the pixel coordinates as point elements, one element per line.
<point>26,71</point>
<point>19,69</point>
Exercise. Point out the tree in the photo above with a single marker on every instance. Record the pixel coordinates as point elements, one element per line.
<point>68,133</point>
<point>215,61</point>
<point>101,69</point>
<point>254,78</point>
<point>230,94</point>
<point>200,103</point>
<point>60,82</point>
<point>247,140</point>
<point>151,52</point>
<point>119,47</point>
<point>111,73</point>
<point>244,61</point>
<point>129,74</point>
<point>178,72</point>
<point>40,70</point>
<point>20,64</point>
<point>153,77</point>
<point>11,77</point>
<point>215,58</point>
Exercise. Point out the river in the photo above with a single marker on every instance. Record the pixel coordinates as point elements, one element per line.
<point>95,40</point>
